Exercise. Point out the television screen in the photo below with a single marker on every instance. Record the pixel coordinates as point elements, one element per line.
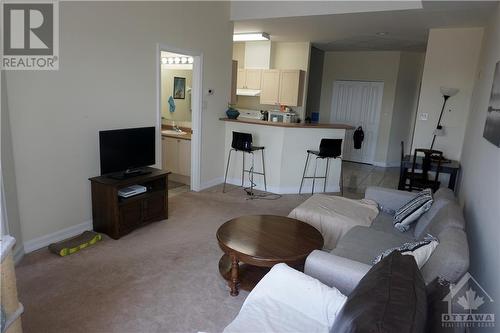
<point>125,149</point>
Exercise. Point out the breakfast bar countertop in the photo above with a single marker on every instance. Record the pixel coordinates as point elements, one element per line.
<point>289,125</point>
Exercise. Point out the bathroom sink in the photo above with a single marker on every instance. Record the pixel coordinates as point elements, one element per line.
<point>172,132</point>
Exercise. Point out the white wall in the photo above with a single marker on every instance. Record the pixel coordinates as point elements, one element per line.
<point>405,104</point>
<point>451,61</point>
<point>107,79</point>
<point>363,66</point>
<point>11,210</point>
<point>480,186</point>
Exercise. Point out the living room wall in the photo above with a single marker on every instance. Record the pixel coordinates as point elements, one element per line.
<point>363,66</point>
<point>480,186</point>
<point>450,61</point>
<point>106,80</point>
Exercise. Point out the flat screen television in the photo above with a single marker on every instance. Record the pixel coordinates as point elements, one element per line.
<point>124,152</point>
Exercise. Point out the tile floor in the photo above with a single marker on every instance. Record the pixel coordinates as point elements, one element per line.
<point>357,177</point>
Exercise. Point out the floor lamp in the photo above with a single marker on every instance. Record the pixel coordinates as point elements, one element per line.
<point>447,93</point>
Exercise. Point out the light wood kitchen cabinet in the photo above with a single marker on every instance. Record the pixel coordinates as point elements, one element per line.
<point>291,87</point>
<point>249,78</point>
<point>282,86</point>
<point>270,86</point>
<point>177,155</point>
<point>253,78</point>
<point>241,78</point>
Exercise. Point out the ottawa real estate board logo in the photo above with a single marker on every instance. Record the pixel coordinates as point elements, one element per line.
<point>469,305</point>
<point>30,35</point>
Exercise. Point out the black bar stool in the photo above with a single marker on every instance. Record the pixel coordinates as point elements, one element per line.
<point>243,142</point>
<point>328,148</point>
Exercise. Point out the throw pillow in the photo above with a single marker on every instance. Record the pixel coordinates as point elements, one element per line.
<point>420,250</point>
<point>412,210</point>
<point>391,297</point>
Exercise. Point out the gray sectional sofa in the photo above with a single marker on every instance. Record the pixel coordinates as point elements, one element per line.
<point>353,256</point>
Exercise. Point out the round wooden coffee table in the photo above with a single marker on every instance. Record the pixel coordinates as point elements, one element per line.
<point>253,244</point>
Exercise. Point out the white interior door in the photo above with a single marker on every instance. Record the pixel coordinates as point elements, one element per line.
<point>358,103</point>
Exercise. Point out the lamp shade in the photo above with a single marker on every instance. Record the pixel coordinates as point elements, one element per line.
<point>446,91</point>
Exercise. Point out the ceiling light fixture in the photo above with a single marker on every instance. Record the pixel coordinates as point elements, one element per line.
<point>252,36</point>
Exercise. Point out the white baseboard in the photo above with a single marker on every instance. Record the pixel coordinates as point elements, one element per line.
<point>210,183</point>
<point>386,164</point>
<point>18,254</point>
<point>306,189</point>
<point>43,241</point>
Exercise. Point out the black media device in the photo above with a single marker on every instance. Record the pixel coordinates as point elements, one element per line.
<point>124,152</point>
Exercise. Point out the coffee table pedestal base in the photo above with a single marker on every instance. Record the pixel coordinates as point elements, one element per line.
<point>247,275</point>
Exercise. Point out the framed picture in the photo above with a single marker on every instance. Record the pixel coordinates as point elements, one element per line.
<point>492,125</point>
<point>179,87</point>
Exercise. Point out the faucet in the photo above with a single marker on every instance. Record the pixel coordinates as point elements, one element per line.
<point>175,127</point>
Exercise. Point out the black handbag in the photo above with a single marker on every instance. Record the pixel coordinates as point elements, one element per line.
<point>358,137</point>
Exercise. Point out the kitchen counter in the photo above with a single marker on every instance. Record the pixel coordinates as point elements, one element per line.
<point>285,153</point>
<point>289,125</point>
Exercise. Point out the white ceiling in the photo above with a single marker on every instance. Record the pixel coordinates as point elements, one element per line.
<point>406,29</point>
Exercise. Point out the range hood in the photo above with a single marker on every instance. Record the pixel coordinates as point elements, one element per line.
<point>247,92</point>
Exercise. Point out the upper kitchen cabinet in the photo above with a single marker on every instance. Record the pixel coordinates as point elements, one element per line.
<point>291,87</point>
<point>282,86</point>
<point>249,78</point>
<point>270,86</point>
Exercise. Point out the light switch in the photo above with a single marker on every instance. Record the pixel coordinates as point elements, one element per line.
<point>424,116</point>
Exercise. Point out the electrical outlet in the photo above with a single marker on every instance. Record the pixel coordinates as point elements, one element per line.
<point>424,116</point>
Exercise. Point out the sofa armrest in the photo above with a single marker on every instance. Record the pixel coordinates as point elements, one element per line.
<point>389,200</point>
<point>334,271</point>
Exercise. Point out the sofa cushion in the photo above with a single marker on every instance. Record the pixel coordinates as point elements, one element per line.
<point>391,297</point>
<point>425,220</point>
<point>447,215</point>
<point>450,260</point>
<point>445,193</point>
<point>384,222</point>
<point>363,244</point>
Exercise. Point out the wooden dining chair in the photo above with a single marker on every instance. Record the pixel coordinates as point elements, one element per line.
<point>419,175</point>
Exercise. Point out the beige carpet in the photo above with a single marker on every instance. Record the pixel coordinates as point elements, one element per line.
<point>160,278</point>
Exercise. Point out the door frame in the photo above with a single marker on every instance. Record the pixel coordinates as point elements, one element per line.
<point>378,116</point>
<point>196,106</point>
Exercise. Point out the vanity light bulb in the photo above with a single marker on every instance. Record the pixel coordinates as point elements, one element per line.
<point>177,60</point>
<point>170,60</point>
<point>190,60</point>
<point>184,60</point>
<point>164,60</point>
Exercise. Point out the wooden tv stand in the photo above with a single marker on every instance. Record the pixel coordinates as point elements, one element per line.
<point>117,216</point>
